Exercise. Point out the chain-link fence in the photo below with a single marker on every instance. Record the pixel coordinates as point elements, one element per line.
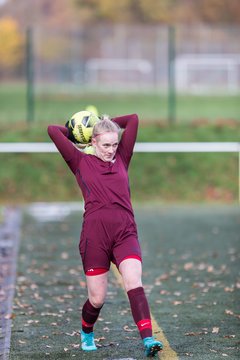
<point>137,58</point>
<point>140,59</point>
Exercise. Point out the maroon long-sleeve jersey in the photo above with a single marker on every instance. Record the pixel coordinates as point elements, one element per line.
<point>103,184</point>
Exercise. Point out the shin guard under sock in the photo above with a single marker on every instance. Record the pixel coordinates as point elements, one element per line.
<point>140,311</point>
<point>89,316</point>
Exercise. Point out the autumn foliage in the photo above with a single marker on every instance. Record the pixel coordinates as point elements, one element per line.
<point>59,13</point>
<point>11,49</point>
<point>162,11</point>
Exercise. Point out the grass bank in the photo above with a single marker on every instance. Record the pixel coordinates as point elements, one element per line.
<point>188,177</point>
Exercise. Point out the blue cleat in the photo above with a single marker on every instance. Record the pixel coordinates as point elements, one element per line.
<point>152,346</point>
<point>87,341</point>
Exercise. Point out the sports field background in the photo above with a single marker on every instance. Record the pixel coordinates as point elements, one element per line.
<point>187,205</point>
<point>190,274</point>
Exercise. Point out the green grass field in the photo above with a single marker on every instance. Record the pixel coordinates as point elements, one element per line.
<point>191,281</point>
<point>59,104</point>
<point>190,275</point>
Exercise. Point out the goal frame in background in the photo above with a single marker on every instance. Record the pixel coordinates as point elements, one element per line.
<point>202,73</point>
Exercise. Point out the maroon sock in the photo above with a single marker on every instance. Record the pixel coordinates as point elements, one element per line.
<point>89,316</point>
<point>140,311</point>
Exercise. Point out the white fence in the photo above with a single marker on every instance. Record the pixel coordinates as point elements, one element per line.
<point>139,147</point>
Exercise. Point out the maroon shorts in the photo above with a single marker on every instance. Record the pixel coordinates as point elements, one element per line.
<point>108,235</point>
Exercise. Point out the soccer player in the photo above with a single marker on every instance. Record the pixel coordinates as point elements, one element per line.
<point>109,232</point>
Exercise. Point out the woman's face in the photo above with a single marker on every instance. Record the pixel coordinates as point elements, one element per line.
<point>106,145</point>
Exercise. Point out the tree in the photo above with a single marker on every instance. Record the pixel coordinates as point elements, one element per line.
<point>219,11</point>
<point>160,11</point>
<point>11,49</point>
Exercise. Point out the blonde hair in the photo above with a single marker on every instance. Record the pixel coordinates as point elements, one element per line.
<point>105,125</point>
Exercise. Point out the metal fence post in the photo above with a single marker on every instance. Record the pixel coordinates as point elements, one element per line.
<point>30,75</point>
<point>171,76</point>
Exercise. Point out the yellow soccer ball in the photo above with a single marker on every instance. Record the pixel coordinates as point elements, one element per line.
<point>80,126</point>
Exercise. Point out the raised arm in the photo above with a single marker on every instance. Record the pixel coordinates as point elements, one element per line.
<point>130,125</point>
<point>59,135</point>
